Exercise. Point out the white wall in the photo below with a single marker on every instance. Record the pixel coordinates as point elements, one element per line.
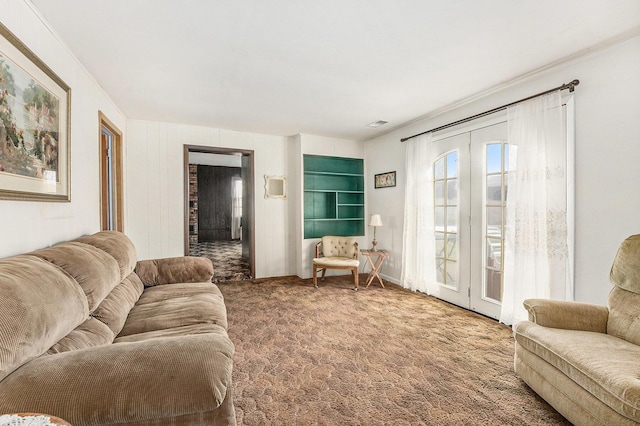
<point>607,153</point>
<point>27,225</point>
<point>155,190</point>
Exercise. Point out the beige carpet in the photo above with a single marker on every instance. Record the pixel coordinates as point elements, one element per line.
<point>332,356</point>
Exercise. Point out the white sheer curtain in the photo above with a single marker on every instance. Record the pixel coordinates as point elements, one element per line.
<point>236,208</point>
<point>536,243</point>
<point>419,252</point>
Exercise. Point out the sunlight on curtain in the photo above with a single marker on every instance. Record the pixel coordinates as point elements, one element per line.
<point>419,253</point>
<point>236,209</point>
<point>536,246</point>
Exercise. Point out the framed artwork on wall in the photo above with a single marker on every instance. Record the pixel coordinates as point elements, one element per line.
<point>385,180</point>
<point>35,113</point>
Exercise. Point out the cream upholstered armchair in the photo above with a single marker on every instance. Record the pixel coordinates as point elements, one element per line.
<point>584,359</point>
<point>336,253</point>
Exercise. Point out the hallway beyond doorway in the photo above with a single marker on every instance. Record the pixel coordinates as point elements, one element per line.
<point>226,256</point>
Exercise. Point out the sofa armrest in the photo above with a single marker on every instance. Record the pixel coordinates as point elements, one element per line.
<point>567,315</point>
<point>172,270</point>
<point>125,382</point>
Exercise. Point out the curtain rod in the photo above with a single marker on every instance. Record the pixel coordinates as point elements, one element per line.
<point>571,86</point>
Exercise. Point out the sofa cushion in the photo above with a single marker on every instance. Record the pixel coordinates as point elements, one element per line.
<point>125,383</point>
<point>184,330</point>
<point>88,334</point>
<point>603,365</point>
<point>96,271</point>
<point>176,305</point>
<point>170,270</point>
<point>114,309</point>
<point>39,305</point>
<point>118,245</point>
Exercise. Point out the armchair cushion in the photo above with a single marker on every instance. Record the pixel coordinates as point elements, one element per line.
<point>334,261</point>
<point>339,247</point>
<point>601,364</point>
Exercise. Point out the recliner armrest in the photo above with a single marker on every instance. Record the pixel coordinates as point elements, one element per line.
<point>172,270</point>
<point>567,315</point>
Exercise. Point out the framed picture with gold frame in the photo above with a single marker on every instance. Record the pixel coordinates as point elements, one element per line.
<point>35,117</point>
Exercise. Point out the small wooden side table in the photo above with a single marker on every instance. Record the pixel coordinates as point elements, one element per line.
<point>375,259</point>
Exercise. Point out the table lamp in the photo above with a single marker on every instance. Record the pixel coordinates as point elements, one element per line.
<point>375,221</point>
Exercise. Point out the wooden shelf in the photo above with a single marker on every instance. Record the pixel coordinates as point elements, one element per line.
<point>333,196</point>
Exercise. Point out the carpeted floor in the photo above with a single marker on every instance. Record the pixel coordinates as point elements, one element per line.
<point>333,356</point>
<point>226,256</point>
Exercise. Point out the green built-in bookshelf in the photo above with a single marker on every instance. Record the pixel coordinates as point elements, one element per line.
<point>333,196</point>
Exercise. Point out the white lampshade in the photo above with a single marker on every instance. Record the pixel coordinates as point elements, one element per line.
<point>375,220</point>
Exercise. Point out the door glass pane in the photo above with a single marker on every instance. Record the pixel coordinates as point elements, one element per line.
<point>439,169</point>
<point>494,158</point>
<point>494,221</point>
<point>451,273</point>
<point>440,219</point>
<point>494,189</point>
<point>452,247</point>
<point>452,219</point>
<point>439,193</point>
<point>494,253</point>
<point>495,194</point>
<point>452,165</point>
<point>446,214</point>
<point>452,191</point>
<point>493,289</point>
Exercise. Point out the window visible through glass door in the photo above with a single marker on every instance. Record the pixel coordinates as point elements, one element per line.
<point>495,193</point>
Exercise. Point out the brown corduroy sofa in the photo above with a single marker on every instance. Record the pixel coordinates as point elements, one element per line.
<point>584,359</point>
<point>91,335</point>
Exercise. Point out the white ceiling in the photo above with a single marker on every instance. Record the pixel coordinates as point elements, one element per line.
<point>323,67</point>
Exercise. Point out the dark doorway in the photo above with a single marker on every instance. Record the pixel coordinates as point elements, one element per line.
<point>219,209</point>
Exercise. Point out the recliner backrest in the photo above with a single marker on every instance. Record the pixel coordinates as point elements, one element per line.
<point>624,299</point>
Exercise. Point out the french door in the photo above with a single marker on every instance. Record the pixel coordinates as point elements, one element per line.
<point>469,177</point>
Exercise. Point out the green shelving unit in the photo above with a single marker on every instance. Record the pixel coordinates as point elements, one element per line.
<point>333,196</point>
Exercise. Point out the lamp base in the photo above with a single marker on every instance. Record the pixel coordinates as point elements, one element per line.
<point>373,243</point>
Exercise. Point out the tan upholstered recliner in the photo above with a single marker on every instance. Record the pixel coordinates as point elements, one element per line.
<point>336,253</point>
<point>584,359</point>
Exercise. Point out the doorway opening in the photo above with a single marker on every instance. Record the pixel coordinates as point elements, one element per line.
<point>219,211</point>
<point>111,193</point>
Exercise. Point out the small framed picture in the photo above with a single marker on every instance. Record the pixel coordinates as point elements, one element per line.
<point>385,180</point>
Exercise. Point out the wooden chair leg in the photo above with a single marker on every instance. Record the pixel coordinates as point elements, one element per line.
<point>315,276</point>
<point>355,277</point>
<point>324,271</point>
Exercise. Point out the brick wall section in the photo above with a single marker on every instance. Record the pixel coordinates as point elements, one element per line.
<point>193,203</point>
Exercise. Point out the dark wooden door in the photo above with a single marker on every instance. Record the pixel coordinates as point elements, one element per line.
<point>214,202</point>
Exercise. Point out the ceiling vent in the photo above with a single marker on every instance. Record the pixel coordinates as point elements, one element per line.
<point>377,123</point>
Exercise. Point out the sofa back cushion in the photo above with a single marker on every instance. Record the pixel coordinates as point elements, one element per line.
<point>88,334</point>
<point>39,305</point>
<point>118,246</point>
<point>624,299</point>
<point>97,272</point>
<point>114,309</point>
